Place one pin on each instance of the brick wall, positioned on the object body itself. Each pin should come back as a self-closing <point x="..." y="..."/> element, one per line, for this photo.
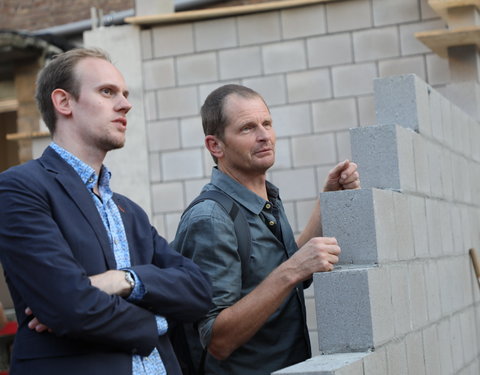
<point x="38" y="14"/>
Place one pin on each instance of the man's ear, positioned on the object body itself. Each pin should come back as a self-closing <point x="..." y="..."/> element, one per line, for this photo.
<point x="214" y="145"/>
<point x="61" y="100"/>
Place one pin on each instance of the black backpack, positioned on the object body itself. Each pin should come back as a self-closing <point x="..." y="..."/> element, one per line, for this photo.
<point x="177" y="333"/>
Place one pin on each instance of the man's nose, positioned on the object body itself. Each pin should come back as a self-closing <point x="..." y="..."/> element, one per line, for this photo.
<point x="124" y="104"/>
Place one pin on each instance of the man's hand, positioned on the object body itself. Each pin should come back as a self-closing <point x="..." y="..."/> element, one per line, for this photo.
<point x="342" y="177"/>
<point x="319" y="254"/>
<point x="35" y="324"/>
<point x="112" y="282"/>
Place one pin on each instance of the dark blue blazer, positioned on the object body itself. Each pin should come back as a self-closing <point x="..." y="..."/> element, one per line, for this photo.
<point x="51" y="239"/>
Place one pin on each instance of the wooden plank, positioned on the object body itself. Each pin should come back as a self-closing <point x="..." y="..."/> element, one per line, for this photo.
<point x="30" y="135"/>
<point x="439" y="40"/>
<point x="203" y="14"/>
<point x="8" y="105"/>
<point x="441" y="6"/>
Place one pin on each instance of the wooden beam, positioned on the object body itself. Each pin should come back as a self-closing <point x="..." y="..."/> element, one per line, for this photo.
<point x="8" y="105"/>
<point x="441" y="7"/>
<point x="203" y="14"/>
<point x="439" y="40"/>
<point x="22" y="136"/>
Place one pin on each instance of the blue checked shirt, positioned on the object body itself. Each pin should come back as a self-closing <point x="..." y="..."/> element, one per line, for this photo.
<point x="151" y="365"/>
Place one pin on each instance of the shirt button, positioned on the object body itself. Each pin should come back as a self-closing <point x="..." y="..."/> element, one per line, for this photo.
<point x="90" y="180"/>
<point x="271" y="223"/>
<point x="268" y="206"/>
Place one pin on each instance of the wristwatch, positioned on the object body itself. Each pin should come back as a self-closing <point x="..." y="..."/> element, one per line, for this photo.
<point x="130" y="279"/>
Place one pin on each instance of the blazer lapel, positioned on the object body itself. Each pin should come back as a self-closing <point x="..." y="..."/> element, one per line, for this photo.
<point x="74" y="187"/>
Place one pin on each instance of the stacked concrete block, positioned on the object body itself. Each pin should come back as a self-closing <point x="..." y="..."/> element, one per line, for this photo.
<point x="405" y="285"/>
<point x="385" y="155"/>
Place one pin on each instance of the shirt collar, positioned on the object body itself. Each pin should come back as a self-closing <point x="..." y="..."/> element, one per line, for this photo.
<point x="240" y="193"/>
<point x="86" y="172"/>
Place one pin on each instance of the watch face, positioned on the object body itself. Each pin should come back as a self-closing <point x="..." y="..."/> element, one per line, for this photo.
<point x="130" y="279"/>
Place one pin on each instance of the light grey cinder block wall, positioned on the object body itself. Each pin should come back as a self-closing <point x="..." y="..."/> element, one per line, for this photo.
<point x="405" y="299"/>
<point x="314" y="65"/>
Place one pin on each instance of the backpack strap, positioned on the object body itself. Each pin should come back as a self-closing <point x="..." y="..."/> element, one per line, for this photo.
<point x="240" y="224"/>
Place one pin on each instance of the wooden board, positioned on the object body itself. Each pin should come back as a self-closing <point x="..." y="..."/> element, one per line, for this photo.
<point x="20" y="136"/>
<point x="439" y="40"/>
<point x="203" y="14"/>
<point x="441" y="6"/>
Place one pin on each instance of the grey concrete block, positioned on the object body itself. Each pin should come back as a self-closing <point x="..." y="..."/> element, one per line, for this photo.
<point x="381" y="305"/>
<point x="432" y="354"/>
<point x="361" y="74"/>
<point x="177" y="102"/>
<point x="470" y="344"/>
<point x="163" y="135"/>
<point x="309" y="85"/>
<point x="284" y="57"/>
<point x="403" y="100"/>
<point x="314" y="149"/>
<point x="436" y="102"/>
<point x="376" y="362"/>
<point x="364" y="223"/>
<point x="385" y="226"/>
<point x="215" y="34"/>
<point x="146" y="44"/>
<point x="191" y="132"/>
<point x="167" y="197"/>
<point x="259" y="28"/>
<point x="415" y="356"/>
<point x="289" y="180"/>
<point x="422" y="171"/>
<point x="283" y="155"/>
<point x="339" y="47"/>
<point x="327" y="365"/>
<point x="271" y="88"/>
<point x="197" y="68"/>
<point x="376" y="44"/>
<point x="240" y="62"/>
<point x="298" y="114"/>
<point x="348" y="16"/>
<point x="419" y="225"/>
<point x="432" y="287"/>
<point x="409" y="44"/>
<point x="345" y="295"/>
<point x="400" y="300"/>
<point x="418" y="295"/>
<point x="403" y="227"/>
<point x="397" y="358"/>
<point x="334" y="115"/>
<point x="403" y="65"/>
<point x="434" y="154"/>
<point x="366" y="110"/>
<point x="303" y="21"/>
<point x="182" y="164"/>
<point x="444" y="347"/>
<point x="159" y="73"/>
<point x="384" y="155"/>
<point x="456" y="343"/>
<point x="172" y="40"/>
<point x="394" y="11"/>
<point x="342" y="140"/>
<point x="466" y="95"/>
<point x="438" y="72"/>
<point x="349" y="216"/>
